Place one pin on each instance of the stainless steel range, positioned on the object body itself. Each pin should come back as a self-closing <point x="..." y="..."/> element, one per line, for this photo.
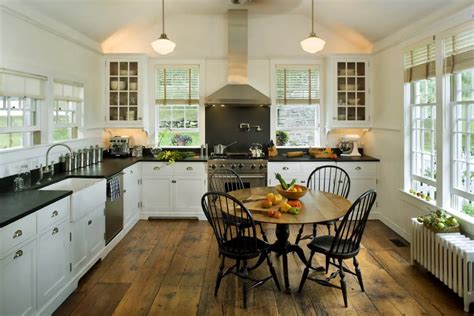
<point x="253" y="172"/>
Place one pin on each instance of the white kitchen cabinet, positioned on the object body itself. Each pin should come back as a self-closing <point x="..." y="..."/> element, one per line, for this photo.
<point x="18" y="281"/>
<point x="125" y="84"/>
<point x="293" y="170"/>
<point x="173" y="190"/>
<point x="53" y="261"/>
<point x="350" y="103"/>
<point x="363" y="177"/>
<point x="95" y="231"/>
<point x="131" y="194"/>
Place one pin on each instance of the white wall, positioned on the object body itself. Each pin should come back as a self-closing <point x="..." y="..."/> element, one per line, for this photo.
<point x="26" y="46"/>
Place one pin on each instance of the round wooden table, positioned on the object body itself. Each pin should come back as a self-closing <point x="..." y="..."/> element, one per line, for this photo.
<point x="316" y="207"/>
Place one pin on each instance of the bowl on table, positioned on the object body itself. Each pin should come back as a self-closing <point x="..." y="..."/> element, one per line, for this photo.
<point x="292" y="195"/>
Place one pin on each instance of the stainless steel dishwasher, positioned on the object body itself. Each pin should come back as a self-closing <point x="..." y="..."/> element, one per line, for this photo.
<point x="114" y="207"/>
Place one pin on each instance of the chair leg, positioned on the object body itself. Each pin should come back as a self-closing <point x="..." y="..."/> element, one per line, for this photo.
<point x="272" y="271"/>
<point x="329" y="228"/>
<point x="314" y="230"/>
<point x="264" y="236"/>
<point x="298" y="237"/>
<point x="359" y="274"/>
<point x="219" y="276"/>
<point x="306" y="272"/>
<point x="343" y="282"/>
<point x="244" y="281"/>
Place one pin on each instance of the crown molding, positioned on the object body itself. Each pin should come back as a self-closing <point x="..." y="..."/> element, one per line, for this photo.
<point x="430" y="25"/>
<point x="47" y="24"/>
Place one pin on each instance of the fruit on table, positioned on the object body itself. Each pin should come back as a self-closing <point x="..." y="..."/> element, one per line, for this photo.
<point x="285" y="207"/>
<point x="294" y="203"/>
<point x="267" y="203"/>
<point x="270" y="196"/>
<point x="274" y="213"/>
<point x="294" y="210"/>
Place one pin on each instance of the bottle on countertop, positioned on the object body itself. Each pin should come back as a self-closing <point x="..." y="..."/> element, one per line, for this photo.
<point x="25" y="174"/>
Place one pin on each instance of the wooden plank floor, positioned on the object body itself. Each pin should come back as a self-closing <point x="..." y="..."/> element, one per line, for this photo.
<point x="168" y="267"/>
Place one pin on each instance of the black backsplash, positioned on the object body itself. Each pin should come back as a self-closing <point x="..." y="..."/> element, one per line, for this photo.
<point x="222" y="127"/>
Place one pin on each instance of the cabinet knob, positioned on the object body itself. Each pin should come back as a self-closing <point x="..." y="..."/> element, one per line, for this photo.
<point x="124" y="191"/>
<point x="55" y="213"/>
<point x="285" y="168"/>
<point x="189" y="168"/>
<point x="55" y="231"/>
<point x="17" y="234"/>
<point x="18" y="254"/>
<point x="173" y="181"/>
<point x="358" y="168"/>
<point x="156" y="168"/>
<point x="131" y="171"/>
<point x="89" y="222"/>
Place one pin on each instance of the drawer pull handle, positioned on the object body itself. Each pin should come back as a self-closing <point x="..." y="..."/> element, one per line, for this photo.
<point x="17" y="234"/>
<point x="89" y="222"/>
<point x="358" y="168"/>
<point x="302" y="181"/>
<point x="189" y="168"/>
<point x="54" y="214"/>
<point x="131" y="171"/>
<point x="156" y="168"/>
<point x="18" y="254"/>
<point x="124" y="191"/>
<point x="173" y="181"/>
<point x="285" y="168"/>
<point x="55" y="231"/>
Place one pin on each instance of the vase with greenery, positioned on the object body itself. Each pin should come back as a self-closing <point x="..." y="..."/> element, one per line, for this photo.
<point x="181" y="140"/>
<point x="281" y="138"/>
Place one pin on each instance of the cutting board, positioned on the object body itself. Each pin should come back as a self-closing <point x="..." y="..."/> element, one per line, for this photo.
<point x="256" y="206"/>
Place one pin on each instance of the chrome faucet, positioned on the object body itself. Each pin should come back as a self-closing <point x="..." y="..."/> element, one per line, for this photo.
<point x="50" y="169"/>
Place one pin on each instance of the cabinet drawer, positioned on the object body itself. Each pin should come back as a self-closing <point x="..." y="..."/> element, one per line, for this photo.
<point x="285" y="167"/>
<point x="190" y="168"/>
<point x="53" y="213"/>
<point x="359" y="169"/>
<point x="309" y="167"/>
<point x="15" y="233"/>
<point x="150" y="169"/>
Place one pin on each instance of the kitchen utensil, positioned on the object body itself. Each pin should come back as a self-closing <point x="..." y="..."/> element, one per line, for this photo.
<point x="292" y="195"/>
<point x="348" y="145"/>
<point x="272" y="150"/>
<point x="256" y="150"/>
<point x="219" y="149"/>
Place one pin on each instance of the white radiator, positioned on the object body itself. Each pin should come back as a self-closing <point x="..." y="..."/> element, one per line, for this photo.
<point x="448" y="256"/>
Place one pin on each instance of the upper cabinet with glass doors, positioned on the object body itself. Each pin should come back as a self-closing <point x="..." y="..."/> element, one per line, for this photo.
<point x="125" y="88"/>
<point x="349" y="100"/>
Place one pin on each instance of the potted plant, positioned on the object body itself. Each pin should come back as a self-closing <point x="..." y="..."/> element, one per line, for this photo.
<point x="181" y="139"/>
<point x="281" y="138"/>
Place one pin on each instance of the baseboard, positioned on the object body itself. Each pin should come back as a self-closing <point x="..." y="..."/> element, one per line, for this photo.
<point x="399" y="230"/>
<point x="53" y="304"/>
<point x="172" y="215"/>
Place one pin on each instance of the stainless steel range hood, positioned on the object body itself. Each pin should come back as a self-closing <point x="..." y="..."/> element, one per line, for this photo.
<point x="238" y="92"/>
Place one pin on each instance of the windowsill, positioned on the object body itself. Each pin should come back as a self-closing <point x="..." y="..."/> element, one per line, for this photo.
<point x="181" y="147"/>
<point x="432" y="204"/>
<point x="19" y="149"/>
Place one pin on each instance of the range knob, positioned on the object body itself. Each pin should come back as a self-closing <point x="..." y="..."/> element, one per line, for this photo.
<point x="222" y="166"/>
<point x="233" y="166"/>
<point x="262" y="166"/>
<point x="253" y="166"/>
<point x="213" y="166"/>
<point x="241" y="165"/>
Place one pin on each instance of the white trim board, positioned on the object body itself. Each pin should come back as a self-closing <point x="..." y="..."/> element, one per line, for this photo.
<point x="49" y="25"/>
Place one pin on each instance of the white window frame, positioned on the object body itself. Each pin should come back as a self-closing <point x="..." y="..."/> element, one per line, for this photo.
<point x="153" y="108"/>
<point x="68" y="91"/>
<point x="274" y="63"/>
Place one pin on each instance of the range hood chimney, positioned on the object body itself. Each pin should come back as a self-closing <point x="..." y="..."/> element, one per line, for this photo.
<point x="237" y="92"/>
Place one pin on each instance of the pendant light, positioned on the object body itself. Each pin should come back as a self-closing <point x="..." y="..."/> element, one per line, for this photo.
<point x="163" y="45"/>
<point x="312" y="44"/>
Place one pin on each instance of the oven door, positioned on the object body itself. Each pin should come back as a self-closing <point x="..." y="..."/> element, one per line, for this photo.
<point x="253" y="180"/>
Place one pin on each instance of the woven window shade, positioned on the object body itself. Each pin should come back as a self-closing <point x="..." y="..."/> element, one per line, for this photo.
<point x="65" y="90"/>
<point x="420" y="63"/>
<point x="298" y="85"/>
<point x="177" y="85"/>
<point x="459" y="52"/>
<point x="19" y="84"/>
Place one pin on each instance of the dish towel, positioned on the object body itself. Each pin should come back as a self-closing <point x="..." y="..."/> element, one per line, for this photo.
<point x="114" y="188"/>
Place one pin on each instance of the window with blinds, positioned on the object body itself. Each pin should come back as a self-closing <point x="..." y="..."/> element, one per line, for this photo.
<point x="68" y="99"/>
<point x="177" y="100"/>
<point x="459" y="52"/>
<point x="20" y="94"/>
<point x="420" y="63"/>
<point x="298" y="103"/>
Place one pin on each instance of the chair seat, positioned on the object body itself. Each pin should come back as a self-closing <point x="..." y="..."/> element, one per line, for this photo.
<point x="243" y="248"/>
<point x="322" y="244"/>
<point x="237" y="221"/>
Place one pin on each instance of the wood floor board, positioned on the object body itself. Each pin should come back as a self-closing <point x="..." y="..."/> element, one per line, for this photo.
<point x="169" y="267"/>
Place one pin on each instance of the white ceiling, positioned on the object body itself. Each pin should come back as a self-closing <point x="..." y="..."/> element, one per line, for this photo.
<point x="369" y="19"/>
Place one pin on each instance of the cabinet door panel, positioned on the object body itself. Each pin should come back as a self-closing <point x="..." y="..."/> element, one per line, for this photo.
<point x="156" y="194"/>
<point x="359" y="186"/>
<point x="95" y="230"/>
<point x="131" y="195"/>
<point x="78" y="244"/>
<point x="18" y="281"/>
<point x="53" y="261"/>
<point x="188" y="193"/>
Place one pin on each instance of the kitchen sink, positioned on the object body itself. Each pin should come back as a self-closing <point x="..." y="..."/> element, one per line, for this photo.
<point x="87" y="194"/>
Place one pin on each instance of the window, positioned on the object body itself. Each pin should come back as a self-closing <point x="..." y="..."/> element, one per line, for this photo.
<point x="298" y="105"/>
<point x="177" y="110"/>
<point x="419" y="76"/>
<point x="68" y="98"/>
<point x="20" y="95"/>
<point x="459" y="66"/>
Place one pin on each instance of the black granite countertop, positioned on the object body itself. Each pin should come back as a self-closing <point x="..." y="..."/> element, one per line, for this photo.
<point x="15" y="205"/>
<point x="308" y="158"/>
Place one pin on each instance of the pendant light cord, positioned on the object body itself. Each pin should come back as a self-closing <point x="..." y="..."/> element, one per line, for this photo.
<point x="163" y="15"/>
<point x="312" y="16"/>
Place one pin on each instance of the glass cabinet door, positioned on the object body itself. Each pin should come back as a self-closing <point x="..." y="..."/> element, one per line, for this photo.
<point x="123" y="86"/>
<point x="351" y="91"/>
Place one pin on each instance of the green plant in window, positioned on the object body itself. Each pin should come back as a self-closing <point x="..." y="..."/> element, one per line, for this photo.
<point x="281" y="138"/>
<point x="181" y="140"/>
<point x="468" y="208"/>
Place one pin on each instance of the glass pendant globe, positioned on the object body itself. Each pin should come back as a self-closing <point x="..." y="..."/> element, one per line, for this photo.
<point x="163" y="45"/>
<point x="312" y="44"/>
